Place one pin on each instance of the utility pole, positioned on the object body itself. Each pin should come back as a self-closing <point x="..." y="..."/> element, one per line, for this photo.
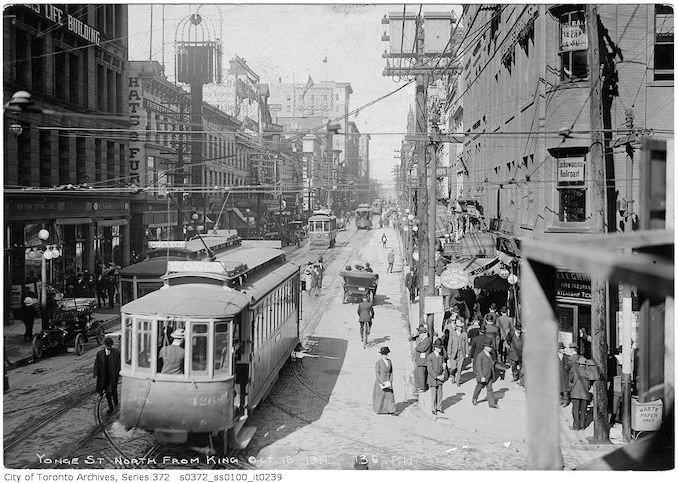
<point x="179" y="175"/>
<point x="601" y="429"/>
<point x="432" y="206"/>
<point x="420" y="156"/>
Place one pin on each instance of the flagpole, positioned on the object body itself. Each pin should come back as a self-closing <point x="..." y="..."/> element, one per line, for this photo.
<point x="325" y="62"/>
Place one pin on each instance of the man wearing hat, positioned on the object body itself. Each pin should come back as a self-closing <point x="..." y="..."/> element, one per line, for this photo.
<point x="483" y="366"/>
<point x="437" y="375"/>
<point x="365" y="316"/>
<point x="564" y="376"/>
<point x="580" y="394"/>
<point x="28" y="316"/>
<point x="106" y="372"/>
<point x="173" y="355"/>
<point x="515" y="356"/>
<point x="422" y="350"/>
<point x="457" y="348"/>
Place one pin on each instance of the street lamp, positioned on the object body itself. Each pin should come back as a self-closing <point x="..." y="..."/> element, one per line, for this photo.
<point x="50" y="253"/>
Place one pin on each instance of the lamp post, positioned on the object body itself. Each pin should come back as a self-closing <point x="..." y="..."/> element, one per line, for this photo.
<point x="51" y="252"/>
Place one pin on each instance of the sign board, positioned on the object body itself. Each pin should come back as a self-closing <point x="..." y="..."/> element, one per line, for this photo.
<point x="193" y="266"/>
<point x="573" y="33"/>
<point x="167" y="244"/>
<point x="441" y="172"/>
<point x="15" y="297"/>
<point x="451" y="249"/>
<point x="570" y="169"/>
<point x="434" y="304"/>
<point x="646" y="416"/>
<point x="573" y="285"/>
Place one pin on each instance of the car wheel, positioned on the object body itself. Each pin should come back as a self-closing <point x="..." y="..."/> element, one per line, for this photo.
<point x="79" y="344"/>
<point x="101" y="334"/>
<point x="38" y="348"/>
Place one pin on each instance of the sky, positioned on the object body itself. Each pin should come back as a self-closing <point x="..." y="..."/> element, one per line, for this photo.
<point x="290" y="42"/>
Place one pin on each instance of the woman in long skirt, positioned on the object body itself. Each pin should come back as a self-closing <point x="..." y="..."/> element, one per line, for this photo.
<point x="383" y="400"/>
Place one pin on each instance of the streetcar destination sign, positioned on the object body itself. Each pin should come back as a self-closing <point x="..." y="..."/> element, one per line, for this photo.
<point x="167" y="244"/>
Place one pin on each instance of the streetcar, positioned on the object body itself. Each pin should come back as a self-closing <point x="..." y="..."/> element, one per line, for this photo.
<point x="239" y="318"/>
<point x="322" y="229"/>
<point x="363" y="217"/>
<point x="138" y="279"/>
<point x="376" y="206"/>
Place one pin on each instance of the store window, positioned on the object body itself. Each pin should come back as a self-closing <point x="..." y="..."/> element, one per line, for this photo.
<point x="571" y="189"/>
<point x="573" y="46"/>
<point x="663" y="45"/>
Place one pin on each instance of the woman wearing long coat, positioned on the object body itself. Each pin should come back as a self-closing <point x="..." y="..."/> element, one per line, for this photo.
<point x="579" y="395"/>
<point x="383" y="400"/>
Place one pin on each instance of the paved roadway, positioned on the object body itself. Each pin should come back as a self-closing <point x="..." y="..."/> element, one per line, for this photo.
<point x="319" y="414"/>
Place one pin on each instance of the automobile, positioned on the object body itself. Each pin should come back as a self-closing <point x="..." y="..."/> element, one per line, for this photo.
<point x="72" y="326"/>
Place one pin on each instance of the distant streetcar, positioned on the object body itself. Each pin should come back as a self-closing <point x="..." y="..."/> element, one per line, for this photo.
<point x="322" y="229"/>
<point x="239" y="318"/>
<point x="363" y="217"/>
<point x="376" y="206"/>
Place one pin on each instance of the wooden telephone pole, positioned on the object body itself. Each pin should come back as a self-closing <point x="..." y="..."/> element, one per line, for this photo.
<point x="601" y="429"/>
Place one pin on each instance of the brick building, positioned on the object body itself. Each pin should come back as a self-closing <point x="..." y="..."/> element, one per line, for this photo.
<point x="526" y="156"/>
<point x="64" y="166"/>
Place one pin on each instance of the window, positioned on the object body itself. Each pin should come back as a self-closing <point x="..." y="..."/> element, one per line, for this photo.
<point x="98" y="167"/>
<point x="24" y="155"/>
<point x="573" y="46"/>
<point x="74" y="86"/>
<point x="45" y="140"/>
<point x="38" y="64"/>
<point x="199" y="348"/>
<point x="144" y="343"/>
<point x="101" y="87"/>
<point x="127" y="341"/>
<point x="571" y="189"/>
<point x="663" y="46"/>
<point x="64" y="160"/>
<point x="222" y="348"/>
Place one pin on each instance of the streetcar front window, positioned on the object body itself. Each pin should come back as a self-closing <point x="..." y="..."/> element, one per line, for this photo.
<point x="144" y="344"/>
<point x="222" y="348"/>
<point x="198" y="348"/>
<point x="127" y="340"/>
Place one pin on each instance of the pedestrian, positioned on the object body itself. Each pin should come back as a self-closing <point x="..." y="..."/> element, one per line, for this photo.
<point x="584" y="348"/>
<point x="457" y="349"/>
<point x="50" y="307"/>
<point x="410" y="283"/>
<point x="321" y="271"/>
<point x="106" y="372"/>
<point x="111" y="282"/>
<point x="505" y="325"/>
<point x="477" y="344"/>
<point x="580" y="394"/>
<point x="310" y="279"/>
<point x="564" y="375"/>
<point x="383" y="400"/>
<point x="28" y="316"/>
<point x="315" y="276"/>
<point x="422" y="349"/>
<point x="173" y="355"/>
<point x="492" y="331"/>
<point x="473" y="329"/>
<point x="437" y="375"/>
<point x="365" y="316"/>
<point x="383" y="240"/>
<point x="368" y="268"/>
<point x="483" y="366"/>
<point x="493" y="312"/>
<point x="390" y="258"/>
<point x="515" y="355"/>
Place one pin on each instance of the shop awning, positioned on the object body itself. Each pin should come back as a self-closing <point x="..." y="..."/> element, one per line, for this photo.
<point x="478" y="244"/>
<point x="492" y="283"/>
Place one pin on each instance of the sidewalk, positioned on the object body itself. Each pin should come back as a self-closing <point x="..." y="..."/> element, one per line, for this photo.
<point x="20" y="353"/>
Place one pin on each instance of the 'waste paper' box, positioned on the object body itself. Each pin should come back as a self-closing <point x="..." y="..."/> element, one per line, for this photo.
<point x="646" y="416"/>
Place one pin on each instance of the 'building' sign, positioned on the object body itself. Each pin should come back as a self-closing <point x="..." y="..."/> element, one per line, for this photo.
<point x="59" y="17"/>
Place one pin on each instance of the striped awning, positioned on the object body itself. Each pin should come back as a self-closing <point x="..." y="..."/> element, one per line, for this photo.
<point x="478" y="244"/>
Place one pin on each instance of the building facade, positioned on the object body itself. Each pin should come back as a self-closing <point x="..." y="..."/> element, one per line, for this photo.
<point x="526" y="155"/>
<point x="66" y="161"/>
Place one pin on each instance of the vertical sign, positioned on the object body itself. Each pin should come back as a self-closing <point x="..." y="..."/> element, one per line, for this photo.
<point x="136" y="151"/>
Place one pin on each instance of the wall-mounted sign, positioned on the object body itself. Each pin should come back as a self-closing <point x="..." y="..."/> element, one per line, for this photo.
<point x="570" y="169"/>
<point x="574" y="285"/>
<point x="59" y="17"/>
<point x="573" y="33"/>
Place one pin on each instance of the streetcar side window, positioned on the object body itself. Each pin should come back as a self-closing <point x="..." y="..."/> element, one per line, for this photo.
<point x="198" y="348"/>
<point x="222" y="348"/>
<point x="144" y="344"/>
<point x="127" y="340"/>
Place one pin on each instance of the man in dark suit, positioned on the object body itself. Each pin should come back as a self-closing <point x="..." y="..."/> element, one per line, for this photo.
<point x="106" y="372"/>
<point x="477" y="344"/>
<point x="365" y="316"/>
<point x="456" y="350"/>
<point x="515" y="355"/>
<point x="411" y="283"/>
<point x="437" y="375"/>
<point x="483" y="366"/>
<point x="505" y="325"/>
<point x="422" y="350"/>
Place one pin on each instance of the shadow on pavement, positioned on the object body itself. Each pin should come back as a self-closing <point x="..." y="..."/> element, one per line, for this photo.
<point x="452" y="400"/>
<point x="500" y="393"/>
<point x="301" y="393"/>
<point x="380" y="340"/>
<point x="402" y="405"/>
<point x="381" y="300"/>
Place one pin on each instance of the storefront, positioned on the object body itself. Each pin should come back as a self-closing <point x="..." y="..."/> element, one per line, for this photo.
<point x="573" y="301"/>
<point x="83" y="231"/>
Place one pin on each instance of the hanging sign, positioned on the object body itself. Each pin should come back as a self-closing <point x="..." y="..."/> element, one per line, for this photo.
<point x="571" y="169"/>
<point x="573" y="34"/>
